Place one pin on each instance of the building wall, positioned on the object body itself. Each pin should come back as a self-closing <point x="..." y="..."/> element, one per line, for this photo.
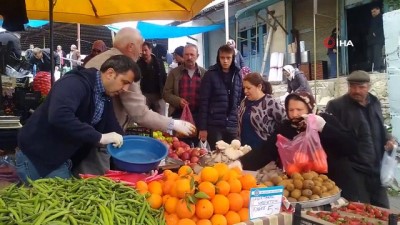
<point x="303" y="21"/>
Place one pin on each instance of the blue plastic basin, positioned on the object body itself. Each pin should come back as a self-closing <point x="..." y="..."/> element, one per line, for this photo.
<point x="138" y="154"/>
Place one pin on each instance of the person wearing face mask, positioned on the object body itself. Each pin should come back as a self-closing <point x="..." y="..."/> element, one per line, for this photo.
<point x="296" y="81"/>
<point x="259" y="112"/>
<point x="338" y="142"/>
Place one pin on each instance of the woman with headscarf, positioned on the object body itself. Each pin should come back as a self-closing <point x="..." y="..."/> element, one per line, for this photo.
<point x="97" y="48"/>
<point x="296" y="80"/>
<point x="239" y="61"/>
<point x="336" y="140"/>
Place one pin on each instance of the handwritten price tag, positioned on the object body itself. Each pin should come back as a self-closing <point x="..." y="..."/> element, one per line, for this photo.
<point x="265" y="201"/>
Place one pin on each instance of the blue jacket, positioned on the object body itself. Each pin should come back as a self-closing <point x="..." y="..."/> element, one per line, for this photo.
<point x="217" y="107"/>
<point x="60" y="126"/>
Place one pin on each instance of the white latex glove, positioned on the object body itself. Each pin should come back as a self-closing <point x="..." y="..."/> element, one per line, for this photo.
<point x="112" y="138"/>
<point x="319" y="121"/>
<point x="184" y="127"/>
<point x="234" y="164"/>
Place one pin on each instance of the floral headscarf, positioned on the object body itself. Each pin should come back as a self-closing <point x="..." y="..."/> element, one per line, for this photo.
<point x="308" y="99"/>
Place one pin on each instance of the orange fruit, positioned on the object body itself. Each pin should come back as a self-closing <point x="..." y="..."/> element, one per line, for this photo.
<point x="218" y="219"/>
<point x="208" y="188"/>
<point x="222" y="169"/>
<point x="155" y="187"/>
<point x="182" y="187"/>
<point x="235" y="185"/>
<point x="186" y="222"/>
<point x="248" y="181"/>
<point x="231" y="174"/>
<point x="203" y="222"/>
<point x="167" y="186"/>
<point x="141" y="186"/>
<point x="166" y="173"/>
<point x="172" y="176"/>
<point x="246" y="197"/>
<point x="232" y="217"/>
<point x="235" y="201"/>
<point x="222" y="187"/>
<point x="171" y="219"/>
<point x="221" y="204"/>
<point x="184" y="210"/>
<point x="173" y="191"/>
<point x="155" y="201"/>
<point x="165" y="198"/>
<point x="209" y="174"/>
<point x="194" y="218"/>
<point x="244" y="214"/>
<point x="170" y="204"/>
<point x="185" y="171"/>
<point x="204" y="209"/>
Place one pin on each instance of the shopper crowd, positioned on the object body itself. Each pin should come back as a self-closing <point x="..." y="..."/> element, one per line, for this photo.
<point x="91" y="106"/>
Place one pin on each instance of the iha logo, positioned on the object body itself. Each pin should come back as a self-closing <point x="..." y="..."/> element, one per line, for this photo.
<point x="330" y="42"/>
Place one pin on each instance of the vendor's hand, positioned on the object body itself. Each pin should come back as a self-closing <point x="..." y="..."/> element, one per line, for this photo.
<point x="112" y="138"/>
<point x="319" y="120"/>
<point x="235" y="164"/>
<point x="184" y="127"/>
<point x="391" y="145"/>
<point x="203" y="135"/>
<point x="183" y="102"/>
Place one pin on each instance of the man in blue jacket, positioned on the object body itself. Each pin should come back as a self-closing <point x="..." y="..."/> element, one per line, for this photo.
<point x="220" y="96"/>
<point x="76" y="115"/>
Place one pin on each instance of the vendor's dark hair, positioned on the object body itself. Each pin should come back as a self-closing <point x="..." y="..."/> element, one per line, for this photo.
<point x="148" y="44"/>
<point x="121" y="64"/>
<point x="256" y="79"/>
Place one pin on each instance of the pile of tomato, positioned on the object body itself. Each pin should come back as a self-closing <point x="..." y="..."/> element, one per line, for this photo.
<point x="366" y="210"/>
<point x="336" y="218"/>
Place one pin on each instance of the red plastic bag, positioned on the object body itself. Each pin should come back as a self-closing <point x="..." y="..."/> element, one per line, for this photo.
<point x="187" y="116"/>
<point x="42" y="83"/>
<point x="304" y="152"/>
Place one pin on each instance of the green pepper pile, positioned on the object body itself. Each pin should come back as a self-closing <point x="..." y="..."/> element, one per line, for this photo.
<point x="58" y="201"/>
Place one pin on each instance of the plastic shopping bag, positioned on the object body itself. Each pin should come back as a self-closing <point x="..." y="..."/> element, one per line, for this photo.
<point x="389" y="164"/>
<point x="304" y="152"/>
<point x="187" y="116"/>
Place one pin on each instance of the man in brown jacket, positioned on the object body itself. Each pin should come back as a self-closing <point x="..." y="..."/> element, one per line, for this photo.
<point x="128" y="106"/>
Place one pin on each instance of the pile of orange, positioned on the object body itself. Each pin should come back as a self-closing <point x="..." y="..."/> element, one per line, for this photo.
<point x="216" y="196"/>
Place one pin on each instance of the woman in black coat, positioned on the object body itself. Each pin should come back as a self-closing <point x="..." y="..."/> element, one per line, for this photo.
<point x="337" y="142"/>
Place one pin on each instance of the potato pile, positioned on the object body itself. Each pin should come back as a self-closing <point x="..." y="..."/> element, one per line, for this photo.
<point x="305" y="186"/>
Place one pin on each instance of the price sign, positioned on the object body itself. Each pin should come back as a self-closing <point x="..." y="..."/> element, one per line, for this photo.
<point x="265" y="201"/>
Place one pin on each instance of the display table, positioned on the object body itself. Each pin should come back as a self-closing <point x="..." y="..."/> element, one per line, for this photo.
<point x="279" y="219"/>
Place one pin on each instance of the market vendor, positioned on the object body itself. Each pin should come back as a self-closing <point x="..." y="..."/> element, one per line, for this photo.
<point x="76" y="115"/>
<point x="338" y="142"/>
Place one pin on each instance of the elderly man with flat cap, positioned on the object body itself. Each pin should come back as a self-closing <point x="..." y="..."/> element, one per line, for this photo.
<point x="361" y="112"/>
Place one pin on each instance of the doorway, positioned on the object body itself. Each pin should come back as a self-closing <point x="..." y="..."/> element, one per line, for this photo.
<point x="358" y="23"/>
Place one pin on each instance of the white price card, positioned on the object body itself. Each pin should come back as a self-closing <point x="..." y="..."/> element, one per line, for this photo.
<point x="265" y="201"/>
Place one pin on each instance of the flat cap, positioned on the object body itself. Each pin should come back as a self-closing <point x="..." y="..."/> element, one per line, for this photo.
<point x="358" y="76"/>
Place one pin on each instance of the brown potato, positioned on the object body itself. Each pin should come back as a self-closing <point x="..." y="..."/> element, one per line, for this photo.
<point x="314" y="174"/>
<point x="290" y="187"/>
<point x="317" y="179"/>
<point x="296" y="193"/>
<point x="335" y="190"/>
<point x="296" y="176"/>
<point x="306" y="192"/>
<point x="286" y="193"/>
<point x="303" y="199"/>
<point x="323" y="189"/>
<point x="313" y="197"/>
<point x="290" y="199"/>
<point x="308" y="184"/>
<point x="317" y="183"/>
<point x="298" y="183"/>
<point x="328" y="185"/>
<point x="316" y="190"/>
<point x="307" y="176"/>
<point x="323" y="177"/>
<point x="276" y="180"/>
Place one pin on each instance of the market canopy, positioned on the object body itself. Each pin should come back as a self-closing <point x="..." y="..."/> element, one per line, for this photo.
<point x="100" y="12"/>
<point x="248" y="11"/>
<point x="156" y="31"/>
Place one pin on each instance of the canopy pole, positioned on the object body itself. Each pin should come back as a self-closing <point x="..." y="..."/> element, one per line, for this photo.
<point x="226" y="6"/>
<point x="51" y="7"/>
<point x="78" y="31"/>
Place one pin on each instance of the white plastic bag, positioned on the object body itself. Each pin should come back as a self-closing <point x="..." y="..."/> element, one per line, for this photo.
<point x="389" y="164"/>
<point x="204" y="145"/>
